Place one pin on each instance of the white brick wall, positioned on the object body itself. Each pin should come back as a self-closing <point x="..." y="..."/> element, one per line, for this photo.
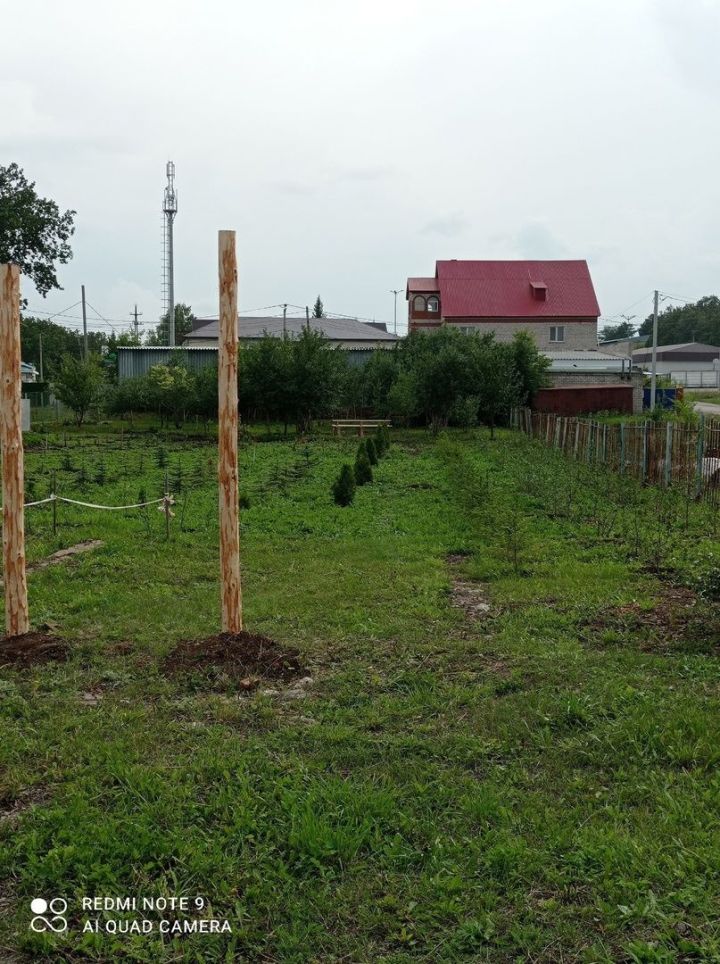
<point x="578" y="334"/>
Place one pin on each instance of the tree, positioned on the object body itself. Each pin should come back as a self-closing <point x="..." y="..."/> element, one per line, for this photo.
<point x="343" y="488"/>
<point x="692" y="322"/>
<point x="34" y="234"/>
<point x="624" y="329"/>
<point x="316" y="377"/>
<point x="172" y="390"/>
<point x="77" y="384"/>
<point x="266" y="378"/>
<point x="57" y="342"/>
<point x="183" y="327"/>
<point x="318" y="308"/>
<point x="500" y="383"/>
<point x="363" y="469"/>
<point x="531" y="366"/>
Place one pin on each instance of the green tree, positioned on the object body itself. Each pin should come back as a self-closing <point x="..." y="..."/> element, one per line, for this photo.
<point x="57" y="341"/>
<point x="691" y="322"/>
<point x="316" y="377"/>
<point x="34" y="234"/>
<point x="343" y="488"/>
<point x="363" y="469"/>
<point x="500" y="383"/>
<point x="77" y="384"/>
<point x="171" y="391"/>
<point x="624" y="329"/>
<point x="266" y="379"/>
<point x="318" y="308"/>
<point x="531" y="366"/>
<point x="183" y="327"/>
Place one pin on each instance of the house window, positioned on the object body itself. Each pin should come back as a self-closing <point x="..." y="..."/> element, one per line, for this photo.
<point x="433" y="304"/>
<point x="557" y="333"/>
<point x="418" y="303"/>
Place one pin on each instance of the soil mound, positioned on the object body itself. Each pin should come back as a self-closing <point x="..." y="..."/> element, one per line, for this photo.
<point x="32" y="648"/>
<point x="243" y="656"/>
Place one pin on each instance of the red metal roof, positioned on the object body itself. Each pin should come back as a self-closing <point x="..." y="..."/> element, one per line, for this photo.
<point x="424" y="285"/>
<point x="502" y="289"/>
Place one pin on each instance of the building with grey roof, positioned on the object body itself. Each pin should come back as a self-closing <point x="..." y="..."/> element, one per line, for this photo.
<point x="346" y="333"/>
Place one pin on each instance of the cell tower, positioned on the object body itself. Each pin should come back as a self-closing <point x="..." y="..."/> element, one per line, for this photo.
<point x="170" y="207"/>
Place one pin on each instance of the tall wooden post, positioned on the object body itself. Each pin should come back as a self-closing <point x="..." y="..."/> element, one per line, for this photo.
<point x="13" y="475"/>
<point x="230" y="589"/>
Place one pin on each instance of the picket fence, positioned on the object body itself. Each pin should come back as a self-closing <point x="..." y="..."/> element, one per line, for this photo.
<point x="668" y="454"/>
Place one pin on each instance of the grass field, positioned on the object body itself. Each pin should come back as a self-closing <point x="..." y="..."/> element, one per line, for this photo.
<point x="509" y="750"/>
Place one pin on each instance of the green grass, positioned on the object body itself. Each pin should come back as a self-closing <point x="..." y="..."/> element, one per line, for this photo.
<point x="534" y="786"/>
<point x="702" y="395"/>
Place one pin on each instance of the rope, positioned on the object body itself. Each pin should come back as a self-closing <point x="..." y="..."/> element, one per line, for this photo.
<point x="166" y="500"/>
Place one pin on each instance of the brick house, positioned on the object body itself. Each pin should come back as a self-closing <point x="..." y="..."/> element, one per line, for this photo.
<point x="552" y="300"/>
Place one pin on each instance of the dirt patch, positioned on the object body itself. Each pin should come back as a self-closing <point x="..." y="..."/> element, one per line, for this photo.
<point x="62" y="555"/>
<point x="457" y="557"/>
<point x="471" y="597"/>
<point x="32" y="648"/>
<point x="246" y="659"/>
<point x="679" y="620"/>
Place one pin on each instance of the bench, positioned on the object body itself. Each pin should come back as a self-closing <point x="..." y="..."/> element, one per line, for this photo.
<point x="358" y="424"/>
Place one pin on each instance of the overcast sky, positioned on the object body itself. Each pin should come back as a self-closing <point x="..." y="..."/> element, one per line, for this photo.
<point x="352" y="144"/>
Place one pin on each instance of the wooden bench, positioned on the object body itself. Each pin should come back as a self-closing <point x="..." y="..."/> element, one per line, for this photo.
<point x="358" y="424"/>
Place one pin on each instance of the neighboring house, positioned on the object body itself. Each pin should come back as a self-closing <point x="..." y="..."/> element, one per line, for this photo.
<point x="346" y="333"/>
<point x="199" y="348"/>
<point x="691" y="363"/>
<point x="552" y="300"/>
<point x="28" y="372"/>
<point x="623" y="346"/>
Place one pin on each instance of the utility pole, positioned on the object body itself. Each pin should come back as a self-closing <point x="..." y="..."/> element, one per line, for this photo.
<point x="307" y="317"/>
<point x="41" y="358"/>
<point x="396" y="292"/>
<point x="84" y="314"/>
<point x="284" y="320"/>
<point x="135" y="315"/>
<point x="653" y="375"/>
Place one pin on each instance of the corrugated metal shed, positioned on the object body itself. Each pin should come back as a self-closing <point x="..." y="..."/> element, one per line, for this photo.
<point x="133" y="362"/>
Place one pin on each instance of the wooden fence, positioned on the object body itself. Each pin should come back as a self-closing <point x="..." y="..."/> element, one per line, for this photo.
<point x="668" y="454"/>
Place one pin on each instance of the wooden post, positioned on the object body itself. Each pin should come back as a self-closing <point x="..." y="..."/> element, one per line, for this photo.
<point x="668" y="454"/>
<point x="13" y="475"/>
<point x="230" y="590"/>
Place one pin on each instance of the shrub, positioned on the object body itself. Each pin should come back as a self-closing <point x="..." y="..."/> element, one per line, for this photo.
<point x="343" y="489"/>
<point x="371" y="451"/>
<point x="363" y="469"/>
<point x="380" y="445"/>
<point x="382" y="439"/>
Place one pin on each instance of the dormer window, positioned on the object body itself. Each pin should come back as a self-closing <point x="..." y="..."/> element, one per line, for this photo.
<point x="418" y="303"/>
<point x="539" y="290"/>
<point x="433" y="304"/>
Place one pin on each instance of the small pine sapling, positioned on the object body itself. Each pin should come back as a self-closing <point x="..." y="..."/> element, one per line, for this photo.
<point x="371" y="451"/>
<point x="343" y="489"/>
<point x="101" y="474"/>
<point x="363" y="469"/>
<point x="379" y="442"/>
<point x="161" y="457"/>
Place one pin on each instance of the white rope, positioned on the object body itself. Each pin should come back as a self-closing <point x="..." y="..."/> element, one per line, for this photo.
<point x="166" y="500"/>
<point x="116" y="508"/>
